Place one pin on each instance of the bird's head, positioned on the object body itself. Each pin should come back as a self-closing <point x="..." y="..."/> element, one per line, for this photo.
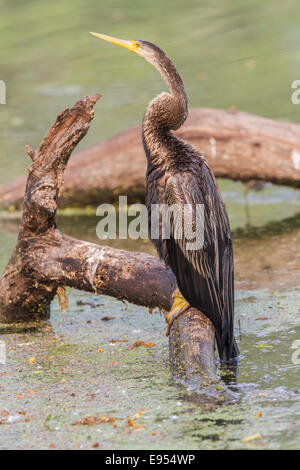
<point x="170" y="110"/>
<point x="145" y="49"/>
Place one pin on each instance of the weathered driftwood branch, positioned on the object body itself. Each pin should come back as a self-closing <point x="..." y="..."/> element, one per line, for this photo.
<point x="21" y="295"/>
<point x="45" y="259"/>
<point x="237" y="145"/>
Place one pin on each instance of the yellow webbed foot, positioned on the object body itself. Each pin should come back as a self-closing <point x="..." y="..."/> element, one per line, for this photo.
<point x="179" y="306"/>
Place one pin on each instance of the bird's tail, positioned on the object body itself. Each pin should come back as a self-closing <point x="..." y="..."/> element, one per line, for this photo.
<point x="230" y="353"/>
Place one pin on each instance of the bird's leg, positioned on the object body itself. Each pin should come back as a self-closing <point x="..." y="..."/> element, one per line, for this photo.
<point x="179" y="306"/>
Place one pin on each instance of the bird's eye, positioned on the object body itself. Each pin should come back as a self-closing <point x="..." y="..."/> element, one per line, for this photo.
<point x="138" y="45"/>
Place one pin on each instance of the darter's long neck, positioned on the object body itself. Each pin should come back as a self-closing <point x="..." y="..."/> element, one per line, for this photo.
<point x="166" y="112"/>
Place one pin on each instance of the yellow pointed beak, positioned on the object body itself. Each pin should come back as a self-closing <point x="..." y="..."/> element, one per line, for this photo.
<point x="133" y="46"/>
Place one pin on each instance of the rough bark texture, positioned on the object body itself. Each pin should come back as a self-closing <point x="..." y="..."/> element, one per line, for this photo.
<point x="187" y="361"/>
<point x="237" y="145"/>
<point x="22" y="296"/>
<point x="45" y="259"/>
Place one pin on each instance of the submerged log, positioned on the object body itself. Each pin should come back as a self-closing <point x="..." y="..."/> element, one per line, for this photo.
<point x="188" y="362"/>
<point x="45" y="260"/>
<point x="237" y="145"/>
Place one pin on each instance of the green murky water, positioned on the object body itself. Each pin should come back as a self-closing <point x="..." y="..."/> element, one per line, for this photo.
<point x="229" y="53"/>
<point x="71" y="379"/>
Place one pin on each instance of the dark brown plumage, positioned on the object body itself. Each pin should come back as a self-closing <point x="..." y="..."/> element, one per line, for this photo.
<point x="178" y="174"/>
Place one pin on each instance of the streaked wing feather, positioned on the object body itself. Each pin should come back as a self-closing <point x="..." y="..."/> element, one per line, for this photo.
<point x="204" y="276"/>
